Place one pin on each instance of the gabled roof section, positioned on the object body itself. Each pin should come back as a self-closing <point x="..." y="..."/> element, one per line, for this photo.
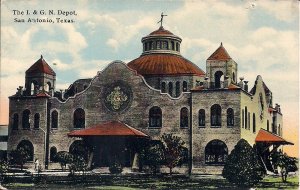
<point x="220" y="54"/>
<point x="41" y="66"/>
<point x="268" y="137"/>
<point x="110" y="128"/>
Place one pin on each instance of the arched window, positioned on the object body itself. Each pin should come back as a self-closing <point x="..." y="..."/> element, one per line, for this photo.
<point x="216" y="152"/>
<point x="155" y="117"/>
<point x="25" y="119"/>
<point x="249" y="120"/>
<point x="184" y="117"/>
<point x="215" y="115"/>
<point x="246" y="119"/>
<point x="79" y="118"/>
<point x="243" y="121"/>
<point x="230" y="117"/>
<point x="163" y="87"/>
<point x="233" y="77"/>
<point x="177" y="88"/>
<point x="177" y="46"/>
<point x="279" y="130"/>
<point x="173" y="45"/>
<point x="268" y="126"/>
<point x="33" y="87"/>
<point x="54" y="119"/>
<point x="201" y="118"/>
<point x="254" y="123"/>
<point x="166" y="45"/>
<point x="26" y="146"/>
<point x="151" y="45"/>
<point x="218" y="79"/>
<point x="15" y="123"/>
<point x="53" y="152"/>
<point x="184" y="86"/>
<point x="79" y="148"/>
<point x="170" y="88"/>
<point x="36" y="121"/>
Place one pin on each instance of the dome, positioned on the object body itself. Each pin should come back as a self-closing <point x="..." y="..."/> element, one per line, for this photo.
<point x="161" y="31"/>
<point x="164" y="64"/>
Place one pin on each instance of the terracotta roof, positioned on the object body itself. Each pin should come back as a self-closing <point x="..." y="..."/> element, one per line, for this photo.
<point x="110" y="128"/>
<point x="42" y="94"/>
<point x="161" y="31"/>
<point x="198" y="88"/>
<point x="164" y="64"/>
<point x="40" y="66"/>
<point x="233" y="86"/>
<point x="220" y="54"/>
<point x="268" y="137"/>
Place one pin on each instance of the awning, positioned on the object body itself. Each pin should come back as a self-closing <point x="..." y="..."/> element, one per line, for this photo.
<point x="111" y="128"/>
<point x="270" y="138"/>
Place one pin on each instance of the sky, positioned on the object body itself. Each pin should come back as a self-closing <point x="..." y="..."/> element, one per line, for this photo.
<point x="261" y="36"/>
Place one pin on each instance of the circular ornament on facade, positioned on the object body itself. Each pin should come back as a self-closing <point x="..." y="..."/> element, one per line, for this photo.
<point x="117" y="96"/>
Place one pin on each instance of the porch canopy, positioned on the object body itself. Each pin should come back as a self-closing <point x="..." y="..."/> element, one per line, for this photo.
<point x="267" y="137"/>
<point x="110" y="128"/>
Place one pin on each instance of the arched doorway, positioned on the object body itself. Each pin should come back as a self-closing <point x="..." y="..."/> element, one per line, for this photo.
<point x="218" y="79"/>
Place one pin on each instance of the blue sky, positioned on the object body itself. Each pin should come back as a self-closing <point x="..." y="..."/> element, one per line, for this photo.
<point x="261" y="36"/>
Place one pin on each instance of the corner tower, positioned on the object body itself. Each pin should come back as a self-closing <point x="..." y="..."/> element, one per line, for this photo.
<point x="162" y="65"/>
<point x="40" y="76"/>
<point x="219" y="66"/>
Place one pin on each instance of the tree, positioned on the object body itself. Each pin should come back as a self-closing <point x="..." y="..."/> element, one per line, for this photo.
<point x="152" y="155"/>
<point x="242" y="166"/>
<point x="19" y="156"/>
<point x="285" y="163"/>
<point x="64" y="158"/>
<point x="173" y="150"/>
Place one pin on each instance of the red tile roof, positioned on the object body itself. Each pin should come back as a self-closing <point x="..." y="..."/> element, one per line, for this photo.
<point x="164" y="64"/>
<point x="233" y="86"/>
<point x="40" y="66"/>
<point x="268" y="137"/>
<point x="42" y="94"/>
<point x="220" y="54"/>
<point x="111" y="128"/>
<point x="161" y="31"/>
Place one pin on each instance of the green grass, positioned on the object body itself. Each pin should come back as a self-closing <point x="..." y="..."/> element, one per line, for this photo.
<point x="159" y="183"/>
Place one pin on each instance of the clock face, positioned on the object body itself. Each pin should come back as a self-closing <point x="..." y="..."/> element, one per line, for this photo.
<point x="117" y="96"/>
<point x="261" y="106"/>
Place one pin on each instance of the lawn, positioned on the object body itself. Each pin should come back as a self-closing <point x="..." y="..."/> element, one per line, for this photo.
<point x="159" y="183"/>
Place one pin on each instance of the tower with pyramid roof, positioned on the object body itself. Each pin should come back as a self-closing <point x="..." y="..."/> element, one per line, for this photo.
<point x="39" y="77"/>
<point x="219" y="67"/>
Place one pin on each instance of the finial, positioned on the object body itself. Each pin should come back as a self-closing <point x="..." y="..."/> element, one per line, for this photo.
<point x="41" y="56"/>
<point x="161" y="19"/>
<point x="221" y="43"/>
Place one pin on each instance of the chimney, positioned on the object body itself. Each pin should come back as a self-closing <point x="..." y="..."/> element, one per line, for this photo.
<point x="246" y="86"/>
<point x="241" y="84"/>
<point x="205" y="84"/>
<point x="226" y="81"/>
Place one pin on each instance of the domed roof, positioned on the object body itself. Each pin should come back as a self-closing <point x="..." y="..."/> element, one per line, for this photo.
<point x="161" y="31"/>
<point x="164" y="64"/>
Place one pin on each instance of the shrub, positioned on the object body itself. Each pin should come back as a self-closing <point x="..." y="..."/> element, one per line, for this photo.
<point x="63" y="158"/>
<point x="153" y="155"/>
<point x="19" y="157"/>
<point x="115" y="168"/>
<point x="243" y="167"/>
